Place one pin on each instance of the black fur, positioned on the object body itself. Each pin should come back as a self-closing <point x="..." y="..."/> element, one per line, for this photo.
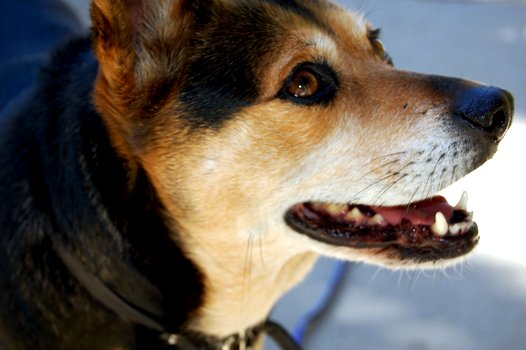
<point x="227" y="48"/>
<point x="221" y="78"/>
<point x="61" y="178"/>
<point x="299" y="8"/>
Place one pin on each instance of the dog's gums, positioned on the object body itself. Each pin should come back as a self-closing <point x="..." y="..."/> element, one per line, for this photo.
<point x="427" y="230"/>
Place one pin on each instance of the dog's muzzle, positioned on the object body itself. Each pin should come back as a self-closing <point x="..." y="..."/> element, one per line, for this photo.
<point x="431" y="229"/>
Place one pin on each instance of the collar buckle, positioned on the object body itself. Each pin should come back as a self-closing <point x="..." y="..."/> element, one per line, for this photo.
<point x="236" y="342"/>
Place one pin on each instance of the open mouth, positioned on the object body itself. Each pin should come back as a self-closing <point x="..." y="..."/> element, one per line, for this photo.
<point x="428" y="230"/>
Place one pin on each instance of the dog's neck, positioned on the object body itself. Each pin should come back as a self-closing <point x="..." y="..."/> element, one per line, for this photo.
<point x="242" y="289"/>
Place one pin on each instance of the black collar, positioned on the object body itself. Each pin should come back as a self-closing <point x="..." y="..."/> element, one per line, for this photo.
<point x="171" y="340"/>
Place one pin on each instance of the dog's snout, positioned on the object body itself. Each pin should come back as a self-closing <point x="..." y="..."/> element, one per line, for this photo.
<point x="486" y="108"/>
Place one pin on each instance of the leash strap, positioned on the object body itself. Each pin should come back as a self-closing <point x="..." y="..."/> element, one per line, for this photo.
<point x="97" y="289"/>
<point x="280" y="336"/>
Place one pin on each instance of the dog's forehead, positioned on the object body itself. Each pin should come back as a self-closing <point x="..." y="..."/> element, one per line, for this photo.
<point x="320" y="14"/>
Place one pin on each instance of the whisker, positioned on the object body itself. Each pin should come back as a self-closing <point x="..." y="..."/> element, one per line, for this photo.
<point x="247" y="268"/>
<point x="261" y="256"/>
<point x="379" y="167"/>
<point x="454" y="173"/>
<point x="427" y="191"/>
<point x="400" y="277"/>
<point x="451" y="273"/>
<point x="389" y="186"/>
<point x="414" y="276"/>
<point x="386" y="177"/>
<point x="389" y="175"/>
<point x="385" y="189"/>
<point x="377" y="272"/>
<point x="411" y="200"/>
<point x="383" y="157"/>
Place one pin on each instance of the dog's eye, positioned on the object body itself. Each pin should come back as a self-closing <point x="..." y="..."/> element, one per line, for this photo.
<point x="378" y="46"/>
<point x="382" y="52"/>
<point x="304" y="84"/>
<point x="310" y="84"/>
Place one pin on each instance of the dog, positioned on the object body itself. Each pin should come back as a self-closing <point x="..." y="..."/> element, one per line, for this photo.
<point x="178" y="171"/>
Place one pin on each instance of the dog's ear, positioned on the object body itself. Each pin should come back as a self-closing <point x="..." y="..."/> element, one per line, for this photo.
<point x="137" y="40"/>
<point x="140" y="46"/>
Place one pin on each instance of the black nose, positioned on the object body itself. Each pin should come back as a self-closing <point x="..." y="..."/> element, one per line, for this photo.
<point x="486" y="108"/>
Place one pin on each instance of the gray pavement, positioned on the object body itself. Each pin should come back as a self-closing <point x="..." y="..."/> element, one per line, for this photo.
<point x="480" y="305"/>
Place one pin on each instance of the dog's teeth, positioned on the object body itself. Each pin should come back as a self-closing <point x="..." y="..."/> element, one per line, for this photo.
<point x="455" y="229"/>
<point x="440" y="227"/>
<point x="377" y="220"/>
<point x="354" y="215"/>
<point x="336" y="209"/>
<point x="459" y="228"/>
<point x="317" y="206"/>
<point x="463" y="202"/>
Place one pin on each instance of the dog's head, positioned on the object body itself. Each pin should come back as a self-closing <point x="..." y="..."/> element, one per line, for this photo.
<point x="277" y="130"/>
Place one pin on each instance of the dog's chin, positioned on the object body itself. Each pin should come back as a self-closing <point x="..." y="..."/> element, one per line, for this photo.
<point x="427" y="232"/>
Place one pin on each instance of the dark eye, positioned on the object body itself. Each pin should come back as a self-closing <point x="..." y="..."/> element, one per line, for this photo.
<point x="378" y="46"/>
<point x="304" y="84"/>
<point x="309" y="84"/>
<point x="380" y="49"/>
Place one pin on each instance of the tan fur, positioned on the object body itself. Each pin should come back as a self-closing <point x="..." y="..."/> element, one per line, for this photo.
<point x="227" y="189"/>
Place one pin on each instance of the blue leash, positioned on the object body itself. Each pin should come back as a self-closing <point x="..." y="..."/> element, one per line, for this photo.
<point x="306" y="323"/>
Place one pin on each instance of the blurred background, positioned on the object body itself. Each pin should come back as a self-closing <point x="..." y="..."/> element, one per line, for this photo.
<point x="480" y="304"/>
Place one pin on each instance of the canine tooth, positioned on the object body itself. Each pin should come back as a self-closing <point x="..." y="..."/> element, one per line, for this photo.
<point x="354" y="215"/>
<point x="464" y="227"/>
<point x="455" y="229"/>
<point x="463" y="202"/>
<point x="440" y="227"/>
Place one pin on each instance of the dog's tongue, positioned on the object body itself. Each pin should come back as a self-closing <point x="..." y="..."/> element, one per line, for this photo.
<point x="418" y="213"/>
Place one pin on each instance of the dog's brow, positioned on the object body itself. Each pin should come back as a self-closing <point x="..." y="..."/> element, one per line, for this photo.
<point x="362" y="22"/>
<point x="324" y="43"/>
<point x="357" y="23"/>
